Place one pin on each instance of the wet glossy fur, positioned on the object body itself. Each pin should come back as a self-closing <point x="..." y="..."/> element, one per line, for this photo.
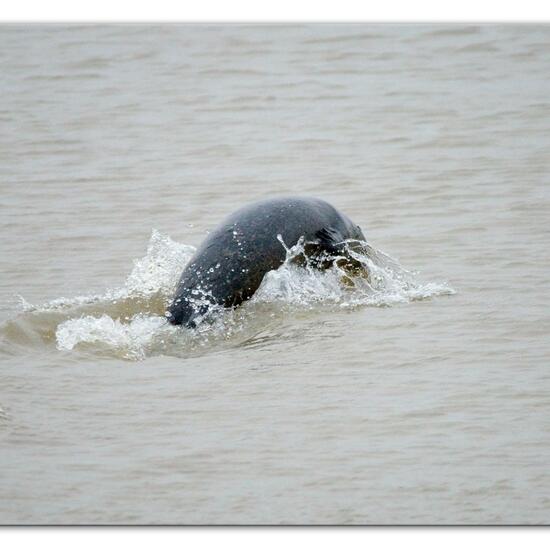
<point x="230" y="264"/>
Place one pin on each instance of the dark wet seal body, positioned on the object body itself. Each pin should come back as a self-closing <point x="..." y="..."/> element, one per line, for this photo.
<point x="230" y="264"/>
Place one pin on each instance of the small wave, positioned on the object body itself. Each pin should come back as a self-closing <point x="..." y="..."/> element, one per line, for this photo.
<point x="129" y="321"/>
<point x="358" y="37"/>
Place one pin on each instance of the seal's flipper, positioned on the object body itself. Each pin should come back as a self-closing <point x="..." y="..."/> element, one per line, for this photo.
<point x="352" y="264"/>
<point x="348" y="254"/>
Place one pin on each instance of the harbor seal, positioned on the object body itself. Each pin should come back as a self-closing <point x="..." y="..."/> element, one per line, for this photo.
<point x="230" y="264"/>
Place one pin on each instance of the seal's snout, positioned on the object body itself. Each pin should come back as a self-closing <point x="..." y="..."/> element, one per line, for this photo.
<point x="178" y="313"/>
<point x="178" y="319"/>
<point x="174" y="317"/>
<point x="181" y="312"/>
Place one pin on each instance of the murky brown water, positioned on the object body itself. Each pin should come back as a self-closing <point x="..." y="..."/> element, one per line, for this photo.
<point x="434" y="409"/>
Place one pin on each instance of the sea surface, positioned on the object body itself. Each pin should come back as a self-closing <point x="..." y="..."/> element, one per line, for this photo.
<point x="420" y="398"/>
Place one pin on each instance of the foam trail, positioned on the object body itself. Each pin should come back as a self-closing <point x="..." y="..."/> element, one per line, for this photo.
<point x="129" y="321"/>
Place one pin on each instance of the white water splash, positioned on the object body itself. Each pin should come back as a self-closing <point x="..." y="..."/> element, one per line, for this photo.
<point x="129" y="321"/>
<point x="131" y="340"/>
<point x="388" y="283"/>
<point x="160" y="269"/>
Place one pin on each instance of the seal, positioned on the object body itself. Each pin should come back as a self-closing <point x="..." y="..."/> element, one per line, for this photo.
<point x="230" y="264"/>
